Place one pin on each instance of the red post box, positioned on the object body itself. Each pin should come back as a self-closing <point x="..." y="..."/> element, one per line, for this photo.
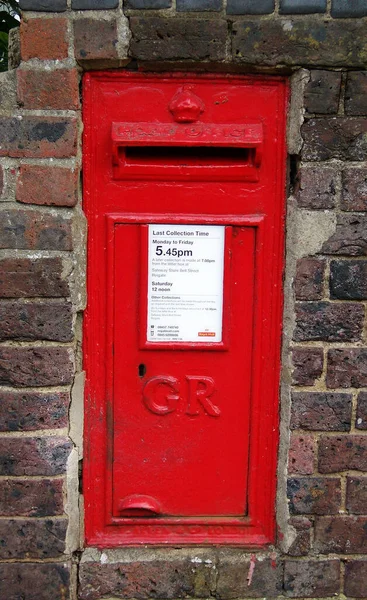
<point x="184" y="188"/>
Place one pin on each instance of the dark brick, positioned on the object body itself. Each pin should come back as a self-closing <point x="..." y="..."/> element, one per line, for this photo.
<point x="301" y="7"/>
<point x="148" y="4"/>
<point x="36" y="321"/>
<point x="308" y="41"/>
<point x="348" y="279"/>
<point x="356" y="578"/>
<point x="34" y="581"/>
<point x="32" y="538"/>
<point x="329" y="322"/>
<point x="43" y="5"/>
<point x="36" y="367"/>
<point x="308" y="365"/>
<point x="38" y="137"/>
<point x="93" y="4"/>
<point x="361" y="416"/>
<point x="24" y="277"/>
<point x="52" y="186"/>
<point x="248" y="7"/>
<point x="44" y="38"/>
<point x="323" y="91"/>
<point x="302" y="544"/>
<point x="45" y="456"/>
<point x="160" y="576"/>
<point x="347" y="368"/>
<point x="314" y="495"/>
<point x="340" y="534"/>
<point x="309" y="280"/>
<point x="356" y="502"/>
<point x="35" y="230"/>
<point x="311" y="579"/>
<point x="321" y="411"/>
<point x="233" y="582"/>
<point x="31" y="498"/>
<point x="189" y="5"/>
<point x="27" y="411"/>
<point x="301" y="458"/>
<point x="179" y="38"/>
<point x="350" y="237"/>
<point x="354" y="189"/>
<point x="95" y="39"/>
<point x="341" y="453"/>
<point x="356" y="93"/>
<point x="1" y="180"/>
<point x="317" y="188"/>
<point x="344" y="138"/>
<point x="57" y="89"/>
<point x="346" y="8"/>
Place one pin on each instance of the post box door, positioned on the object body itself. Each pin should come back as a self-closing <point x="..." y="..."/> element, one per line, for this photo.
<point x="181" y="412"/>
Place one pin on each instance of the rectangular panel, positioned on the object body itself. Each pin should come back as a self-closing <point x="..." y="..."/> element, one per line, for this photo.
<point x="181" y="421"/>
<point x="185" y="283"/>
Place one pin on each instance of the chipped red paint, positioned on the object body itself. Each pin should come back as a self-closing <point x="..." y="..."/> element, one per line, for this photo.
<point x="181" y="438"/>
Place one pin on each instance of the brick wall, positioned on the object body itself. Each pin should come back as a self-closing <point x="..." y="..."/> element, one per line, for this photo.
<point x="322" y="545"/>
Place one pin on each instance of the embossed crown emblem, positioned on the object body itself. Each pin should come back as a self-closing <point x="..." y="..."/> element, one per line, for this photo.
<point x="185" y="106"/>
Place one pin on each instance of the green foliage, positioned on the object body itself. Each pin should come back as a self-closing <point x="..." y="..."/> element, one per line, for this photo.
<point x="9" y="11"/>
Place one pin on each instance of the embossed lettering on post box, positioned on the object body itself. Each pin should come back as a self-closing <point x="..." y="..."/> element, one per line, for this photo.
<point x="184" y="179"/>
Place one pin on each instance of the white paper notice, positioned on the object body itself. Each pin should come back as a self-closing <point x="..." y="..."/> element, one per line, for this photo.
<point x="185" y="283"/>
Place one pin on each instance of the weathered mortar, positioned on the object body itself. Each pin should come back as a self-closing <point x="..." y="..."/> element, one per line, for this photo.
<point x="327" y="480"/>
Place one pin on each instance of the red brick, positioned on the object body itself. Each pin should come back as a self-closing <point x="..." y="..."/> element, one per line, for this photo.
<point x="322" y="92"/>
<point x="302" y="543"/>
<point x="53" y="186"/>
<point x="357" y="495"/>
<point x="356" y="578"/>
<point x="356" y="93"/>
<point x="36" y="321"/>
<point x="349" y="238"/>
<point x="308" y="365"/>
<point x="44" y="38"/>
<point x="354" y="189"/>
<point x="361" y="416"/>
<point x="321" y="411"/>
<point x="348" y="279"/>
<point x="56" y="90"/>
<point x="48" y="581"/>
<point x="162" y="38"/>
<point x="32" y="538"/>
<point x="314" y="495"/>
<point x="158" y="576"/>
<point x="34" y="456"/>
<point x="233" y="572"/>
<point x="25" y="278"/>
<point x="340" y="534"/>
<point x="31" y="498"/>
<point x="329" y="322"/>
<point x="27" y="411"/>
<point x="335" y="137"/>
<point x="347" y="368"/>
<point x="95" y="39"/>
<point x="340" y="453"/>
<point x="35" y="230"/>
<point x="38" y="137"/>
<point x="36" y="367"/>
<point x="317" y="188"/>
<point x="301" y="455"/>
<point x="309" y="280"/>
<point x="311" y="579"/>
